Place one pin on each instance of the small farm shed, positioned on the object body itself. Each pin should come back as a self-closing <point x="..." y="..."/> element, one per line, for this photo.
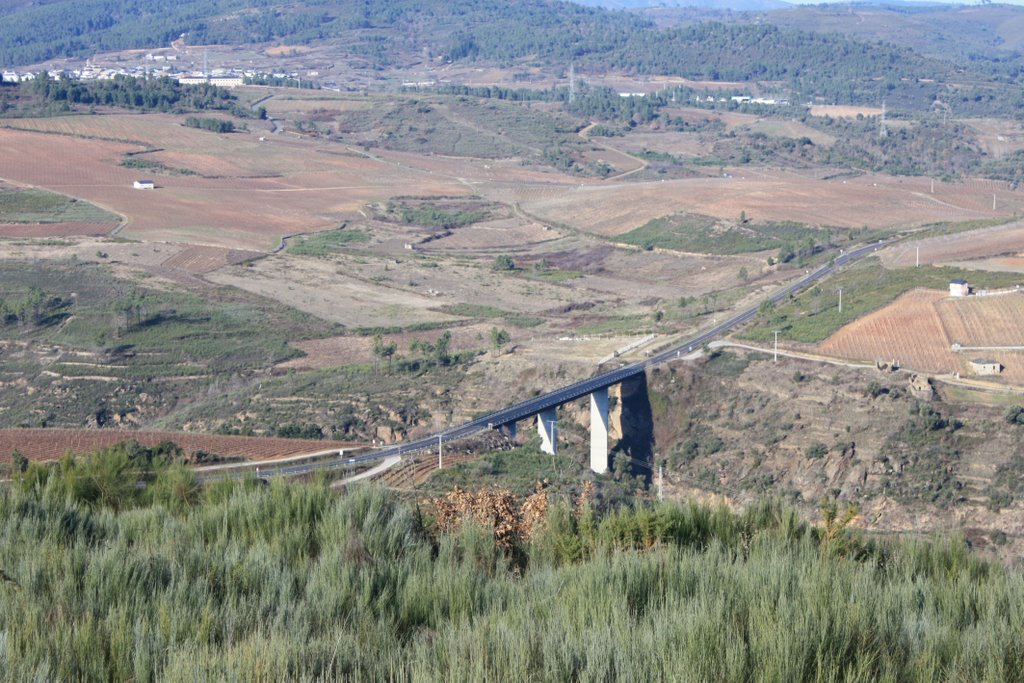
<point x="144" y="185"/>
<point x="986" y="366"/>
<point x="959" y="288"/>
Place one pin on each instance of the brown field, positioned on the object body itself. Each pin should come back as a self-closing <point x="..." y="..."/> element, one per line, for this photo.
<point x="258" y="192"/>
<point x="680" y="144"/>
<point x="279" y="104"/>
<point x="958" y="247"/>
<point x="55" y="229"/>
<point x="874" y="201"/>
<point x="48" y="444"/>
<point x="842" y="111"/>
<point x="995" y="320"/>
<point x="918" y="329"/>
<point x="508" y="234"/>
<point x="287" y="50"/>
<point x="208" y="259"/>
<point x="999" y="264"/>
<point x="731" y="119"/>
<point x="791" y="129"/>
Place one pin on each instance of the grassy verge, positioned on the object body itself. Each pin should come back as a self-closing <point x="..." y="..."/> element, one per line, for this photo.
<point x="812" y="315"/>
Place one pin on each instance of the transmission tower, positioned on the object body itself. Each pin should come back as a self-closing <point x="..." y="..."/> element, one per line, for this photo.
<point x="572" y="82"/>
<point x="883" y="132"/>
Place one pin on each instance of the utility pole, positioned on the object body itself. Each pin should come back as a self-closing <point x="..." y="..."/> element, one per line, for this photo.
<point x="661" y="483"/>
<point x="776" y="360"/>
<point x="840" y="299"/>
<point x="933" y="185"/>
<point x="572" y="82"/>
<point x="917" y="261"/>
<point x="993" y="201"/>
<point x="439" y="462"/>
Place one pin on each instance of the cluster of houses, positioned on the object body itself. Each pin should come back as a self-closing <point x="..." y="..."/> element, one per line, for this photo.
<point x="220" y="77"/>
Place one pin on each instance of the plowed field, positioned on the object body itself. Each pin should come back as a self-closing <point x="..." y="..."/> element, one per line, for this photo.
<point x="958" y="247"/>
<point x="918" y="331"/>
<point x="47" y="444"/>
<point x="55" y="229"/>
<point x="874" y="201"/>
<point x="996" y="320"/>
<point x="207" y="259"/>
<point x="244" y="194"/>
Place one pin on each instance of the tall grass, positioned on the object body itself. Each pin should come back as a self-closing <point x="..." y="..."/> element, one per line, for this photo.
<point x="289" y="582"/>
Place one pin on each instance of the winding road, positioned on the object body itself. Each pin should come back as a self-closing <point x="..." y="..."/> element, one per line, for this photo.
<point x="573" y="391"/>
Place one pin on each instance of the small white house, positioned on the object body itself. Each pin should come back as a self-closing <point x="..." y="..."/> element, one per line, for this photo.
<point x="959" y="288"/>
<point x="144" y="185"/>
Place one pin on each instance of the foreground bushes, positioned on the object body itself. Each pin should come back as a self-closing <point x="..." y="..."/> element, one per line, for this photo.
<point x="291" y="582"/>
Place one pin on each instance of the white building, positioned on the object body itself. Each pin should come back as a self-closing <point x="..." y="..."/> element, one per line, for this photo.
<point x="959" y="288"/>
<point x="986" y="366"/>
<point x="144" y="185"/>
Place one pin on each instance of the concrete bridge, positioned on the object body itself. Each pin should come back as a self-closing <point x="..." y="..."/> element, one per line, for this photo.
<point x="545" y="407"/>
<point x="547" y="427"/>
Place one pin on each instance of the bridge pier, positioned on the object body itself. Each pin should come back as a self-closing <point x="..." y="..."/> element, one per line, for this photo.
<point x="509" y="429"/>
<point x="547" y="420"/>
<point x="599" y="431"/>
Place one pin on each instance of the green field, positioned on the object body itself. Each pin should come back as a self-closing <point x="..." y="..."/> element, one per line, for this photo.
<point x="37" y="206"/>
<point x="707" y="235"/>
<point x="323" y="244"/>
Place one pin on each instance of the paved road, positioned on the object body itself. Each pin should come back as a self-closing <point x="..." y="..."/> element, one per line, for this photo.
<point x="577" y="389"/>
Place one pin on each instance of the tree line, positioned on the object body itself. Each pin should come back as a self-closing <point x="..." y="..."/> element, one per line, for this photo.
<point x="129" y="92"/>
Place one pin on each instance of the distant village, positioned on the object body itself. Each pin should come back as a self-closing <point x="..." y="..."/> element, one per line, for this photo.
<point x="153" y="66"/>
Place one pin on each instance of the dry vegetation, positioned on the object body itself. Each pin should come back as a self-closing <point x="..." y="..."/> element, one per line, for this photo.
<point x="48" y="444"/>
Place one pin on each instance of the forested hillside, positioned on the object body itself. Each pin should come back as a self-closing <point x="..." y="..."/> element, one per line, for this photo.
<point x="554" y="33"/>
